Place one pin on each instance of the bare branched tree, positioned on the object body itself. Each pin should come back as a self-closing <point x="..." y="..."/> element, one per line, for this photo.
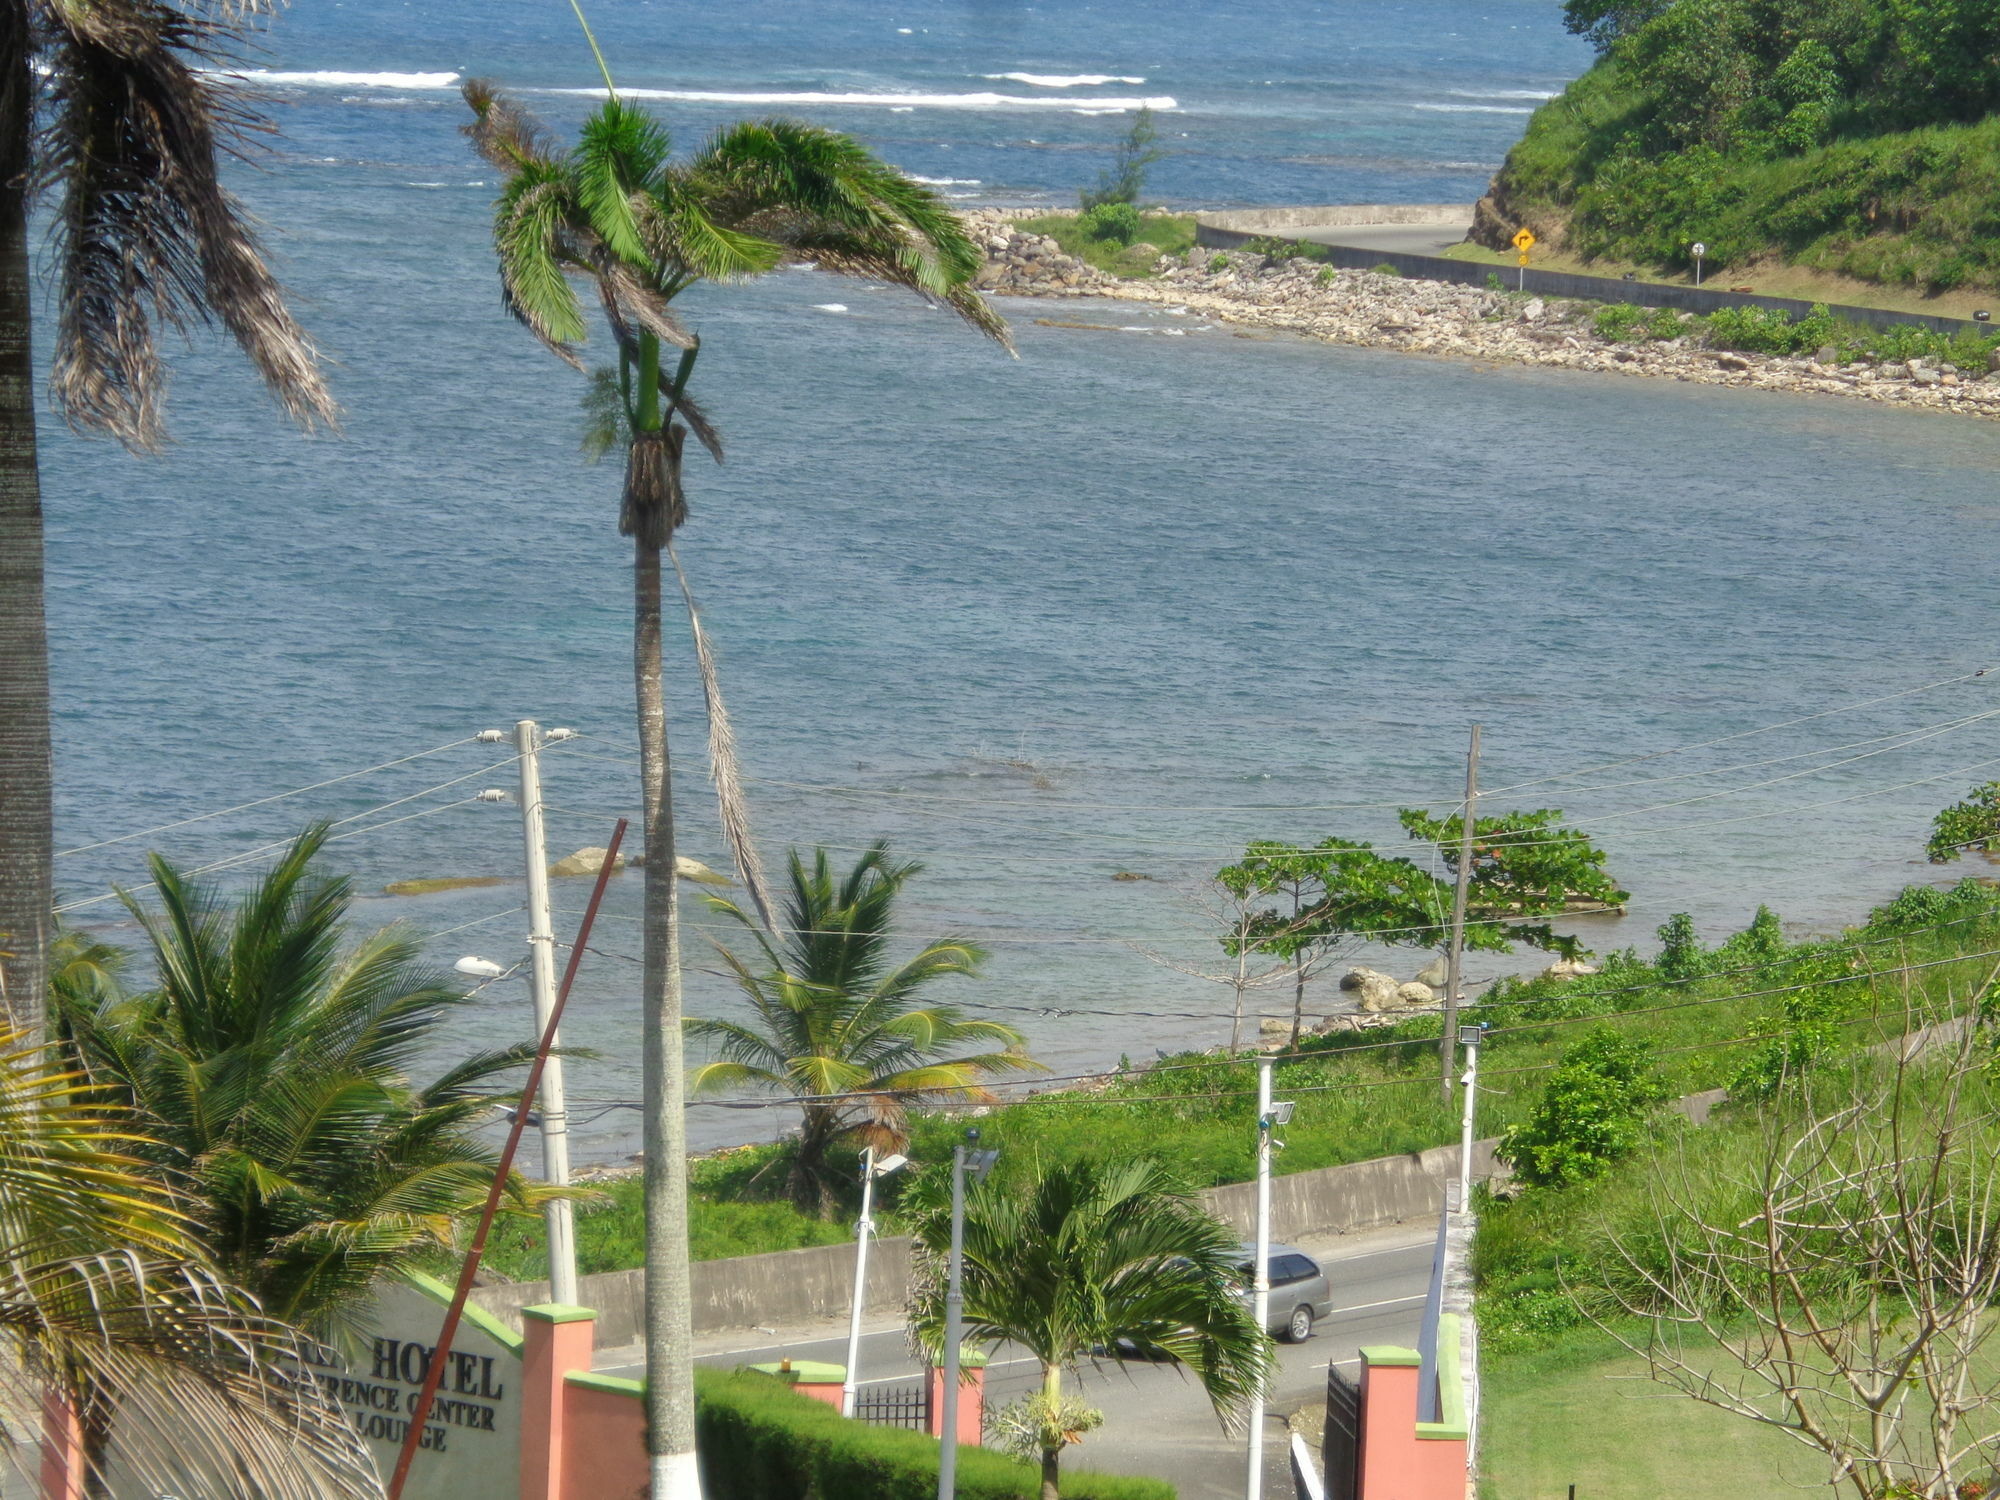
<point x="1234" y="915"/>
<point x="1833" y="1274"/>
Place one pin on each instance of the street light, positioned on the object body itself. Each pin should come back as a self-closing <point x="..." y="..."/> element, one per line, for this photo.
<point x="479" y="968"/>
<point x="1269" y="1117"/>
<point x="1469" y="1037"/>
<point x="964" y="1159"/>
<point x="1698" y="250"/>
<point x="863" y="1227"/>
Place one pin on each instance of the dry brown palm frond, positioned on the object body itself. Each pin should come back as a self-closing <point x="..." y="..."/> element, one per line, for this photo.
<point x="654" y="505"/>
<point x="502" y="132"/>
<point x="147" y="238"/>
<point x="724" y="768"/>
<point x="628" y="300"/>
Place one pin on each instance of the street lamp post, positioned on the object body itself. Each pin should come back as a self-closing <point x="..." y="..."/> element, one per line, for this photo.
<point x="964" y="1159"/>
<point x="1469" y="1037"/>
<point x="863" y="1228"/>
<point x="1699" y="250"/>
<point x="1269" y="1117"/>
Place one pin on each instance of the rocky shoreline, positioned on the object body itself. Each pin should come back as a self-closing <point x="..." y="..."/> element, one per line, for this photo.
<point x="1373" y="310"/>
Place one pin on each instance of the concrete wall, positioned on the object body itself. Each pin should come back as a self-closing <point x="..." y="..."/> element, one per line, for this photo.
<point x="795" y="1286"/>
<point x="1210" y="232"/>
<point x="1265" y="220"/>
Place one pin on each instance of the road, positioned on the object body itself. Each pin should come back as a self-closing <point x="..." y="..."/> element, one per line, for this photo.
<point x="1156" y="1421"/>
<point x="1410" y="239"/>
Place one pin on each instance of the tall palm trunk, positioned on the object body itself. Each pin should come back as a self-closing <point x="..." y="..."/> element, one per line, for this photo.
<point x="669" y="1327"/>
<point x="27" y="825"/>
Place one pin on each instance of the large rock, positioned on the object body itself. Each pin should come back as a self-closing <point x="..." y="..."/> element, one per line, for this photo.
<point x="1376" y="991"/>
<point x="1415" y="993"/>
<point x="1568" y="968"/>
<point x="584" y="862"/>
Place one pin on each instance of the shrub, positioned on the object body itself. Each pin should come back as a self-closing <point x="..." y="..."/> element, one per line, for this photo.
<point x="1111" y="221"/>
<point x="1620" y="323"/>
<point x="1769" y="330"/>
<point x="1327" y="275"/>
<point x="1494" y="283"/>
<point x="1681" y="954"/>
<point x="1385" y="269"/>
<point x="781" y="1445"/>
<point x="1592" y="1112"/>
<point x="1218" y="263"/>
<point x="1973" y="823"/>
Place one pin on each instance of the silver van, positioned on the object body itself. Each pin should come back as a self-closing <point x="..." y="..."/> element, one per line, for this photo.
<point x="1300" y="1293"/>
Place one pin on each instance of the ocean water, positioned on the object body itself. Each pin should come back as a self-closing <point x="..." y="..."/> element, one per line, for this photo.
<point x="1151" y="590"/>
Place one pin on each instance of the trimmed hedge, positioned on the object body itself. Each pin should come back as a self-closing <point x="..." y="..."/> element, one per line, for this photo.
<point x="761" y="1440"/>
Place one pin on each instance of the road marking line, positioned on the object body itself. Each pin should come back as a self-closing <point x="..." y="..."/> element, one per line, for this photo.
<point x="1385" y="1302"/>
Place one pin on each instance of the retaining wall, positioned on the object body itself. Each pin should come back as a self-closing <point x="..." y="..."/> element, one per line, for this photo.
<point x="1264" y="220"/>
<point x="1212" y="231"/>
<point x="796" y="1286"/>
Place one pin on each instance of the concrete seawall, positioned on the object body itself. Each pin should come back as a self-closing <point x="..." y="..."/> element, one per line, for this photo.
<point x="793" y="1286"/>
<point x="1255" y="221"/>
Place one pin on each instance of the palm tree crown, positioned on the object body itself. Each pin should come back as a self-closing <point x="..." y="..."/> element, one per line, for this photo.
<point x="1091" y="1258"/>
<point x="271" y="1066"/>
<point x="175" y="1379"/>
<point x="838" y="1025"/>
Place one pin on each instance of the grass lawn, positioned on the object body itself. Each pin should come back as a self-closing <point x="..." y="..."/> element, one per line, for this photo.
<point x="1556" y="1418"/>
<point x="1168" y="234"/>
<point x="1770" y="279"/>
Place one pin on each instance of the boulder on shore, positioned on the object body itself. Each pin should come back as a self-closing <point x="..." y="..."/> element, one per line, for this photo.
<point x="1416" y="993"/>
<point x="584" y="862"/>
<point x="1568" y="968"/>
<point x="1377" y="991"/>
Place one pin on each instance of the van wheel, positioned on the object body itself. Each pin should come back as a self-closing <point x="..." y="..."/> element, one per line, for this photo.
<point x="1300" y="1327"/>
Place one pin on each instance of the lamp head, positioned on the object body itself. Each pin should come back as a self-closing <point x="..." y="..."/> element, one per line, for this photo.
<point x="890" y="1164"/>
<point x="479" y="968"/>
<point x="1281" y="1113"/>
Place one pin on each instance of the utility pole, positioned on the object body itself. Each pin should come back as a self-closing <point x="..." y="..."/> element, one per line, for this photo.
<point x="1260" y="1274"/>
<point x="528" y="740"/>
<point x="964" y="1159"/>
<point x="1447" y="1051"/>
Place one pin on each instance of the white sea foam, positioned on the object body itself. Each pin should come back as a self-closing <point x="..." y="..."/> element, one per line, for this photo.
<point x="1473" y="109"/>
<point x="829" y="307"/>
<point x="902" y="109"/>
<point x="944" y="181"/>
<point x="1063" y="80"/>
<point x="930" y="101"/>
<point x="1501" y="93"/>
<point x="350" y="80"/>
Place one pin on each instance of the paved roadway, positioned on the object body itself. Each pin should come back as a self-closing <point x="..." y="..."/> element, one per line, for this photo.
<point x="1156" y="1420"/>
<point x="1411" y="239"/>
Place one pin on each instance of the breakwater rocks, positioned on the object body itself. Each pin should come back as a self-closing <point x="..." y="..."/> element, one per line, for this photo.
<point x="1436" y="318"/>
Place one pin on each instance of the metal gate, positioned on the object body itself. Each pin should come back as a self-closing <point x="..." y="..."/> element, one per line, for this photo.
<point x="894" y="1406"/>
<point x="1342" y="1443"/>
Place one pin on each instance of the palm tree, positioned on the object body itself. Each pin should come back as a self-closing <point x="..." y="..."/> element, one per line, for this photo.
<point x="839" y="1029"/>
<point x="109" y="111"/>
<point x="1090" y="1258"/>
<point x="111" y="1319"/>
<point x="621" y="214"/>
<point x="271" y="1067"/>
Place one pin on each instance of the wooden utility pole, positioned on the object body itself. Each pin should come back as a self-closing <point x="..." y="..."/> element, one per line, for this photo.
<point x="1448" y="1042"/>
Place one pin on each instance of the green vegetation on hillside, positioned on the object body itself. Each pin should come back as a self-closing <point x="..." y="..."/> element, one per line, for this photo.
<point x="1856" y="137"/>
<point x="1707" y="1018"/>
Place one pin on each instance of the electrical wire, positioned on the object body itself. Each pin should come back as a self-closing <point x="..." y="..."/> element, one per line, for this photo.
<point x="250" y="854"/>
<point x="223" y="812"/>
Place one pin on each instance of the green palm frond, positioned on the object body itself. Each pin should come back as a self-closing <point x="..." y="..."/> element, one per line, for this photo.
<point x="533" y="238"/>
<point x="835" y="1025"/>
<point x="273" y="1067"/>
<point x="616" y="162"/>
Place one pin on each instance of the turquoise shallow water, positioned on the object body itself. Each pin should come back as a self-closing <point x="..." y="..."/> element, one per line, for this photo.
<point x="1118" y="605"/>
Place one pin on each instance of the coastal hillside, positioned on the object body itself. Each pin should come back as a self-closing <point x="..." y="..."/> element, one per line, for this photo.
<point x="1860" y="137"/>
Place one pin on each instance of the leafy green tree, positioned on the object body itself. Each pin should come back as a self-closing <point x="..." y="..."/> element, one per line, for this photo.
<point x="270" y="1068"/>
<point x="839" y="1026"/>
<point x="111" y="1305"/>
<point x="1125" y="179"/>
<point x="1681" y="955"/>
<point x="1970" y="823"/>
<point x="1593" y="1110"/>
<point x="1091" y="1259"/>
<point x="639" y="226"/>
<point x="114" y="116"/>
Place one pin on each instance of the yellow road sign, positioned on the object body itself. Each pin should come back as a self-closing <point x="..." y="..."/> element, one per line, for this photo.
<point x="1524" y="241"/>
<point x="1524" y="257"/>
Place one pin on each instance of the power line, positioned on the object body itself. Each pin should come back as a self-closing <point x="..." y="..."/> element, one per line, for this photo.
<point x="250" y="854"/>
<point x="223" y="812"/>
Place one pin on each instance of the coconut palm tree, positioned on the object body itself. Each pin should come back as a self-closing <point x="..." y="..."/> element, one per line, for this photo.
<point x="112" y="118"/>
<point x="839" y="1028"/>
<point x="271" y="1070"/>
<point x="1090" y="1258"/>
<point x="638" y="226"/>
<point x="116" y="1328"/>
